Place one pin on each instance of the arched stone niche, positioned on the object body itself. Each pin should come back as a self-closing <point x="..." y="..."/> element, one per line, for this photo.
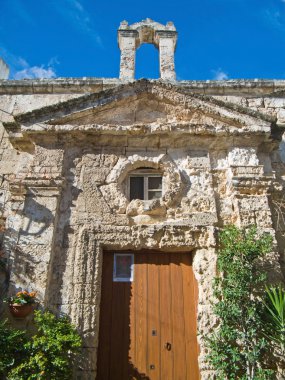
<point x="130" y="37"/>
<point x="115" y="190"/>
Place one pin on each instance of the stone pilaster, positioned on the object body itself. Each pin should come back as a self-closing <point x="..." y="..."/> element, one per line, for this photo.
<point x="167" y="44"/>
<point x="127" y="45"/>
<point x="251" y="193"/>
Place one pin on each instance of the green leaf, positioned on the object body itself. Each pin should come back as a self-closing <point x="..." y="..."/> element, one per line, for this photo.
<point x="237" y="346"/>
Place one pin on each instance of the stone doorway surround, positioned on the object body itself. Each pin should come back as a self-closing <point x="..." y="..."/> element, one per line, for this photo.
<point x="86" y="277"/>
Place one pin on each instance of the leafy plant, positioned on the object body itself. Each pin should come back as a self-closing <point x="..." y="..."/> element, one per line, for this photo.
<point x="22" y="298"/>
<point x="51" y="351"/>
<point x="237" y="346"/>
<point x="12" y="349"/>
<point x="274" y="324"/>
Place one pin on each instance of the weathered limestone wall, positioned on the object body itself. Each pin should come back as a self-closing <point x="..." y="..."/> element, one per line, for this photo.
<point x="94" y="221"/>
<point x="64" y="196"/>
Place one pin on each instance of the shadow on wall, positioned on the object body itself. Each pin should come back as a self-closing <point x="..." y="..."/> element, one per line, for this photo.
<point x="64" y="234"/>
<point x="35" y="233"/>
<point x="27" y="235"/>
<point x="282" y="148"/>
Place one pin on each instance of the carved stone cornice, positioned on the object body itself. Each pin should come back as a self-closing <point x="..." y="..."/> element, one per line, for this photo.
<point x="164" y="92"/>
<point x="255" y="185"/>
<point x="195" y="115"/>
<point x="21" y="187"/>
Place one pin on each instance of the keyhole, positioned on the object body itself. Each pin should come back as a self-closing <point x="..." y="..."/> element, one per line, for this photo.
<point x="167" y="346"/>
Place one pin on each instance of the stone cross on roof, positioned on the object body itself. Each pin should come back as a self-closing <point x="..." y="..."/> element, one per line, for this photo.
<point x="130" y="37"/>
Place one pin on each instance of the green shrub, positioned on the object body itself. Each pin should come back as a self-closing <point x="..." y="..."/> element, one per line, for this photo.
<point x="237" y="347"/>
<point x="51" y="351"/>
<point x="12" y="348"/>
<point x="274" y="321"/>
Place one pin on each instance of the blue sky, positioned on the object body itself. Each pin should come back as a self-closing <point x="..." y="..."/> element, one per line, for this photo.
<point x="217" y="39"/>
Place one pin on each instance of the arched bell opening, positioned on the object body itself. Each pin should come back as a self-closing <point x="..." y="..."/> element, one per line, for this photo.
<point x="147" y="62"/>
<point x="130" y="38"/>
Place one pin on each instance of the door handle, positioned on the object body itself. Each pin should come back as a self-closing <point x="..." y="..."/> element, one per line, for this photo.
<point x="167" y="346"/>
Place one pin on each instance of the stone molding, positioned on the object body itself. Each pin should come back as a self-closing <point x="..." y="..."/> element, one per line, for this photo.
<point x="246" y="87"/>
<point x="62" y="112"/>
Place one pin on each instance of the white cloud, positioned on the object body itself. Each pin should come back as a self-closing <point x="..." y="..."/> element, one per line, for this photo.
<point x="15" y="62"/>
<point x="78" y="5"/>
<point x="76" y="14"/>
<point x="35" y="72"/>
<point x="20" y="11"/>
<point x="22" y="62"/>
<point x="21" y="69"/>
<point x="275" y="17"/>
<point x="53" y="61"/>
<point x="220" y="74"/>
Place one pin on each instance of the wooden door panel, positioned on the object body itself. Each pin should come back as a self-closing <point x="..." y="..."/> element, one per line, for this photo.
<point x="117" y="328"/>
<point x="134" y="295"/>
<point x="166" y="364"/>
<point x="148" y="326"/>
<point x="178" y="323"/>
<point x="140" y="316"/>
<point x="106" y="322"/>
<point x="189" y="316"/>
<point x="125" y="349"/>
<point x="153" y="318"/>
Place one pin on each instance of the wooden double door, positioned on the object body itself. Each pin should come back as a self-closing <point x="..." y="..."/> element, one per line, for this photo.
<point x="148" y="317"/>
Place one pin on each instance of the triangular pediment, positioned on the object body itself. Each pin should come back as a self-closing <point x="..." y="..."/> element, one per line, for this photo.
<point x="144" y="103"/>
<point x="144" y="108"/>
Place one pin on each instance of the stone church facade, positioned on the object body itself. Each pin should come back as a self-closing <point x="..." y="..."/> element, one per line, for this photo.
<point x="72" y="151"/>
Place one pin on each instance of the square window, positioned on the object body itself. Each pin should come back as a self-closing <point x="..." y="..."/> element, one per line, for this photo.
<point x="123" y="267"/>
<point x="136" y="188"/>
<point x="145" y="186"/>
<point x="155" y="183"/>
<point x="154" y="195"/>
